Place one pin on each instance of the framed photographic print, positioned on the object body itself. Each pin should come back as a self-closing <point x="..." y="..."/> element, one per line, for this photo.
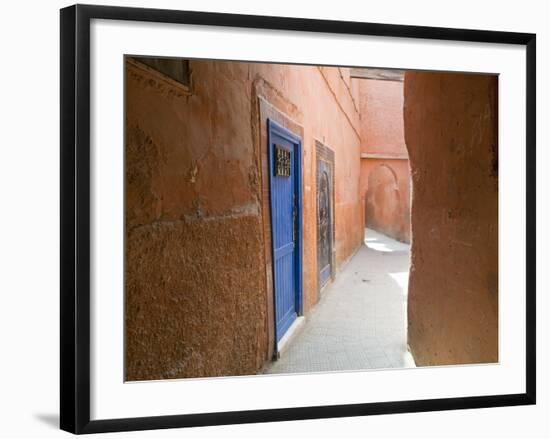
<point x="268" y="218"/>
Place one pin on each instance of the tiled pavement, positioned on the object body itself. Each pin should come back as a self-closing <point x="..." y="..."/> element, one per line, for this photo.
<point x="361" y="320"/>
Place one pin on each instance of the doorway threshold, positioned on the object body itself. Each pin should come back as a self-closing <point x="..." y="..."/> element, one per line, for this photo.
<point x="290" y="334"/>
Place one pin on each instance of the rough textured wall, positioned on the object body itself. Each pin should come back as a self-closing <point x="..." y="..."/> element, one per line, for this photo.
<point x="197" y="256"/>
<point x="385" y="175"/>
<point x="194" y="263"/>
<point x="451" y="134"/>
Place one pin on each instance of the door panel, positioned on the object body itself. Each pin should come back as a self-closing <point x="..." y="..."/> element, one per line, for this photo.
<point x="324" y="220"/>
<point x="324" y="227"/>
<point x="284" y="150"/>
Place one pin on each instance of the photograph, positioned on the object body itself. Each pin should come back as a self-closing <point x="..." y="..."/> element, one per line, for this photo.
<point x="275" y="219"/>
<point x="271" y="218"/>
<point x="299" y="219"/>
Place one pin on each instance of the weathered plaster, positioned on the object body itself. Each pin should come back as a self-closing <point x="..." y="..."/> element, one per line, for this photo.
<point x="452" y="139"/>
<point x="198" y="273"/>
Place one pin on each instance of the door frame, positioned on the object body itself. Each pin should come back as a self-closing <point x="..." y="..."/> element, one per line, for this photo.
<point x="274" y="127"/>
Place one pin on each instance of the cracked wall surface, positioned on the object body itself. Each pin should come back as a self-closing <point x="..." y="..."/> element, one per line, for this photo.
<point x="452" y="137"/>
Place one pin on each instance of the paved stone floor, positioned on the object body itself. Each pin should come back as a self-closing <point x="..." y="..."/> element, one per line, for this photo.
<point x="361" y="320"/>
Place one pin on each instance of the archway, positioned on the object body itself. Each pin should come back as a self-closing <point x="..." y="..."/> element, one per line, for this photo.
<point x="383" y="209"/>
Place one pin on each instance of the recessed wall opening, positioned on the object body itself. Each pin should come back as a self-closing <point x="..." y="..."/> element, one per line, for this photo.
<point x="297" y="219"/>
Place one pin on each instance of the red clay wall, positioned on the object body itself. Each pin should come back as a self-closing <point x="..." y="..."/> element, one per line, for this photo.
<point x="451" y="133"/>
<point x="320" y="101"/>
<point x="382" y="116"/>
<point x="386" y="193"/>
<point x="385" y="176"/>
<point x="197" y="274"/>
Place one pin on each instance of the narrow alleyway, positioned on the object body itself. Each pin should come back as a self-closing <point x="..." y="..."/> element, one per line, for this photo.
<point x="361" y="320"/>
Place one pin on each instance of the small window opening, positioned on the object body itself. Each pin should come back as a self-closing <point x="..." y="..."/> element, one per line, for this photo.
<point x="175" y="68"/>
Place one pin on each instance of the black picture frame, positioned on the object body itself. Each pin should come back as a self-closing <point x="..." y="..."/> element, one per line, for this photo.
<point x="75" y="217"/>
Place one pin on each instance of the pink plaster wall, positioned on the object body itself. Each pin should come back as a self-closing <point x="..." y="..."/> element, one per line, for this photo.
<point x="381" y="107"/>
<point x="197" y="244"/>
<point x="452" y="134"/>
<point x="385" y="178"/>
<point x="386" y="189"/>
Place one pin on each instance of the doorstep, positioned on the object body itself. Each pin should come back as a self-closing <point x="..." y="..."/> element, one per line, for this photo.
<point x="292" y="332"/>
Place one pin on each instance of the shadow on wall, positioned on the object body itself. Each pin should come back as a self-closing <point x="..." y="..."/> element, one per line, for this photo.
<point x="383" y="204"/>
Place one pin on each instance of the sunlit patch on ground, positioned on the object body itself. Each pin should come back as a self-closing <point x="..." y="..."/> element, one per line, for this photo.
<point x="361" y="319"/>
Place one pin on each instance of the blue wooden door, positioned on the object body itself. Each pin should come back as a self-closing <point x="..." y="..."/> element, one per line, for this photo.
<point x="285" y="193"/>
